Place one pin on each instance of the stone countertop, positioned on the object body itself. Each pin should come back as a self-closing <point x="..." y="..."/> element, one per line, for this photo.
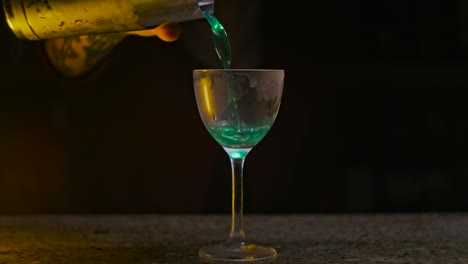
<point x="145" y="239"/>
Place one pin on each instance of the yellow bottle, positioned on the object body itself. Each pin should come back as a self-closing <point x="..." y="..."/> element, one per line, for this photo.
<point x="39" y="19"/>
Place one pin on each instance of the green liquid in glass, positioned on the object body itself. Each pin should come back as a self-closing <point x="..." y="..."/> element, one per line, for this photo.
<point x="231" y="137"/>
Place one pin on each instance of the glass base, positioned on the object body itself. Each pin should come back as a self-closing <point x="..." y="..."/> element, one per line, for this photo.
<point x="236" y="251"/>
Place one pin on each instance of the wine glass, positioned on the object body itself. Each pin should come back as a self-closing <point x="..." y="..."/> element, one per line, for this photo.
<point x="238" y="108"/>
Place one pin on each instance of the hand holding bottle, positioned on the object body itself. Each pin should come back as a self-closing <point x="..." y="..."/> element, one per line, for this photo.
<point x="73" y="57"/>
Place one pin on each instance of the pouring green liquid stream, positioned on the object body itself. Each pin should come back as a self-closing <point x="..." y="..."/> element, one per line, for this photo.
<point x="220" y="40"/>
<point x="223" y="49"/>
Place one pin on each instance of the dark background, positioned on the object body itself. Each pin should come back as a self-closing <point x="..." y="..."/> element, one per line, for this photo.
<point x="373" y="117"/>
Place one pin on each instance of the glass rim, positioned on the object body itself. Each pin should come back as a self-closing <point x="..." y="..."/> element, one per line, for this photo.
<point x="238" y="70"/>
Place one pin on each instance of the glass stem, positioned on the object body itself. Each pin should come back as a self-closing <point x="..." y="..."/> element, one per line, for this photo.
<point x="237" y="233"/>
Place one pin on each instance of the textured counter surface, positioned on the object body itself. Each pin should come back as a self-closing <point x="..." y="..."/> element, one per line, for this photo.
<point x="141" y="239"/>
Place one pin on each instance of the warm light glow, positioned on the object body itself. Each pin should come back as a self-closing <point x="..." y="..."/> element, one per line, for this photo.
<point x="208" y="103"/>
<point x="168" y="32"/>
<point x="251" y="246"/>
